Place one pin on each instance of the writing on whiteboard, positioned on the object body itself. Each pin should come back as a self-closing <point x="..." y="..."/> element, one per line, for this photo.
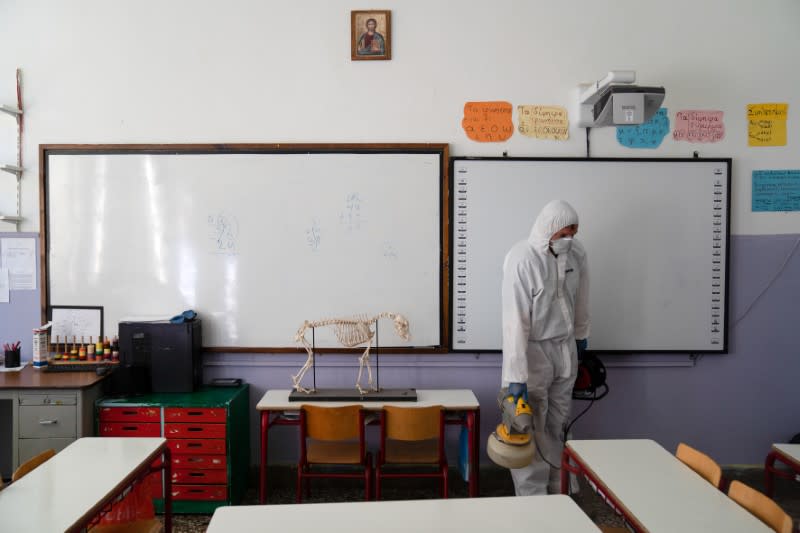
<point x="313" y="235"/>
<point x="389" y="250"/>
<point x="351" y="218"/>
<point x="223" y="233"/>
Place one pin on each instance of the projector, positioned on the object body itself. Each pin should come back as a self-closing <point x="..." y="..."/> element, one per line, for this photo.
<point x="616" y="101"/>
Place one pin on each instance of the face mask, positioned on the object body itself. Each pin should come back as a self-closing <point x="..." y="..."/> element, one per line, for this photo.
<point x="561" y="246"/>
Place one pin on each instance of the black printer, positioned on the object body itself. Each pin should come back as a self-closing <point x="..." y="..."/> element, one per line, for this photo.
<point x="158" y="357"/>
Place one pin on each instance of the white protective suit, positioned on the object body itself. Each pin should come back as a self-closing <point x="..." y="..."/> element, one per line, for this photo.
<point x="545" y="308"/>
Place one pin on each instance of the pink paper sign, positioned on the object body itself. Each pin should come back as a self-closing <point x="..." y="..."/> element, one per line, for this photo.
<point x="698" y="126"/>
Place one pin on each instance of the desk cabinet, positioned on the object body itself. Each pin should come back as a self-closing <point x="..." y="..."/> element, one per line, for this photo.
<point x="207" y="432"/>
<point x="41" y="410"/>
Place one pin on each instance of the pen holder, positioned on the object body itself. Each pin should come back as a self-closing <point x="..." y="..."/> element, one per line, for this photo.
<point x="12" y="358"/>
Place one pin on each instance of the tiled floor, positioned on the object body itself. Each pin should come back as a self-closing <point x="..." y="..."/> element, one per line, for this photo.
<point x="494" y="482"/>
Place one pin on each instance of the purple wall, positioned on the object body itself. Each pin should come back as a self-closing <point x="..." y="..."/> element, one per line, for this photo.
<point x="731" y="406"/>
<point x="22" y="313"/>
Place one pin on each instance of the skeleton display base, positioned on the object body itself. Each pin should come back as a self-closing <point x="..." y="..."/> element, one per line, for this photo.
<point x="352" y="395"/>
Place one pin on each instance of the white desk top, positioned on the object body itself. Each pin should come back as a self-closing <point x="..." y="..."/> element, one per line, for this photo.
<point x="66" y="488"/>
<point x="791" y="451"/>
<point x="661" y="492"/>
<point x="551" y="514"/>
<point x="454" y="399"/>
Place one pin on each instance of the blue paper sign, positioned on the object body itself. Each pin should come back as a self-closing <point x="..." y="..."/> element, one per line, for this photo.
<point x="776" y="190"/>
<point x="647" y="135"/>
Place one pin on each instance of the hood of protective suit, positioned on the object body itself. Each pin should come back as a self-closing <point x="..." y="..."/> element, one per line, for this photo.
<point x="553" y="217"/>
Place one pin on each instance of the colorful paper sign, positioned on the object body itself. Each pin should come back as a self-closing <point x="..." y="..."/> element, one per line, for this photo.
<point x="647" y="135"/>
<point x="698" y="126"/>
<point x="543" y="122"/>
<point x="776" y="190"/>
<point x="487" y="121"/>
<point x="766" y="124"/>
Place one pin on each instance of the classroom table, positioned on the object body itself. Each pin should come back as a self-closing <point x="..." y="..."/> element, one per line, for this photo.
<point x="553" y="514"/>
<point x="73" y="489"/>
<point x="277" y="410"/>
<point x="652" y="489"/>
<point x="789" y="455"/>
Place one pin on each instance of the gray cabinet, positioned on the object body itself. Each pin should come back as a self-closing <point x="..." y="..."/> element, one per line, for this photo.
<point x="41" y="410"/>
<point x="46" y="421"/>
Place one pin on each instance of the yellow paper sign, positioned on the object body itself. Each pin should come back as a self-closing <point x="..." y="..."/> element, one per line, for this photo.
<point x="487" y="121"/>
<point x="543" y="122"/>
<point x="766" y="124"/>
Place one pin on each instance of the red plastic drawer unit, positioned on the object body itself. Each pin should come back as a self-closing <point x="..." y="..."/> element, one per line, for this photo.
<point x="199" y="461"/>
<point x="199" y="492"/>
<point x="183" y="476"/>
<point x="130" y="414"/>
<point x="207" y="435"/>
<point x="202" y="446"/>
<point x="201" y="414"/>
<point x="129" y="429"/>
<point x="194" y="431"/>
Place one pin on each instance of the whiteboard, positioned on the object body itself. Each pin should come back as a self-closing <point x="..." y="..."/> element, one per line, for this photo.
<point x="255" y="240"/>
<point x="656" y="233"/>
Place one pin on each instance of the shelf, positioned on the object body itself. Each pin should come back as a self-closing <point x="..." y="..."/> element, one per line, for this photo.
<point x="13" y="169"/>
<point x="10" y="218"/>
<point x="11" y="110"/>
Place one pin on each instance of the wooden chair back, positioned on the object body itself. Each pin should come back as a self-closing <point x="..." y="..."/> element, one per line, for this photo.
<point x="413" y="423"/>
<point x="332" y="423"/>
<point x="760" y="506"/>
<point x="32" y="463"/>
<point x="700" y="463"/>
<point x="412" y="439"/>
<point x="333" y="436"/>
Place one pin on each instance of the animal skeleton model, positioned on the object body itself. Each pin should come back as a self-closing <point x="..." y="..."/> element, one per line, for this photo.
<point x="351" y="332"/>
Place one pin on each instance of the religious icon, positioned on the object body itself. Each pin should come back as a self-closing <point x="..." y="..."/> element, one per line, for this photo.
<point x="370" y="35"/>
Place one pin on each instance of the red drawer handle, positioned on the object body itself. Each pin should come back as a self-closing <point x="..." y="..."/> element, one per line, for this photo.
<point x="196" y="474"/>
<point x="194" y="429"/>
<point x="194" y="413"/>
<point x="130" y="428"/>
<point x="194" y="445"/>
<point x="128" y="412"/>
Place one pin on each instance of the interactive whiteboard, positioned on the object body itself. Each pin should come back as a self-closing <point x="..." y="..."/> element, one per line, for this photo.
<point x="656" y="233"/>
<point x="255" y="238"/>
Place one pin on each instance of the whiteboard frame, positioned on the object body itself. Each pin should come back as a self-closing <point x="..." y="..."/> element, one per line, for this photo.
<point x="726" y="325"/>
<point x="440" y="149"/>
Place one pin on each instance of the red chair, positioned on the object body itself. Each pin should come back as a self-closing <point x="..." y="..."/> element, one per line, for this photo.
<point x="412" y="445"/>
<point x="333" y="437"/>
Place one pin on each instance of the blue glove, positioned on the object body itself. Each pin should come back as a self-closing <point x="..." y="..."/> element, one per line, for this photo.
<point x="582" y="345"/>
<point x="517" y="391"/>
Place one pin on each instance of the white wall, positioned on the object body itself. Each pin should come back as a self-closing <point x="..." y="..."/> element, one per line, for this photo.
<point x="179" y="71"/>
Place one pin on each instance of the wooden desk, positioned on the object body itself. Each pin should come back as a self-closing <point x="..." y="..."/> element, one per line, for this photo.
<point x="652" y="489"/>
<point x="48" y="410"/>
<point x="74" y="488"/>
<point x="788" y="454"/>
<point x="552" y="514"/>
<point x="456" y="401"/>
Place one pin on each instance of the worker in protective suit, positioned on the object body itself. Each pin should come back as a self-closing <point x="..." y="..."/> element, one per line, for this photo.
<point x="545" y="298"/>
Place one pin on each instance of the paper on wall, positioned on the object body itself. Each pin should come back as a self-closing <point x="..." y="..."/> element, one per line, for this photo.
<point x="766" y="124"/>
<point x="543" y="122"/>
<point x="487" y="121"/>
<point x="699" y="126"/>
<point x="18" y="255"/>
<point x="4" y="299"/>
